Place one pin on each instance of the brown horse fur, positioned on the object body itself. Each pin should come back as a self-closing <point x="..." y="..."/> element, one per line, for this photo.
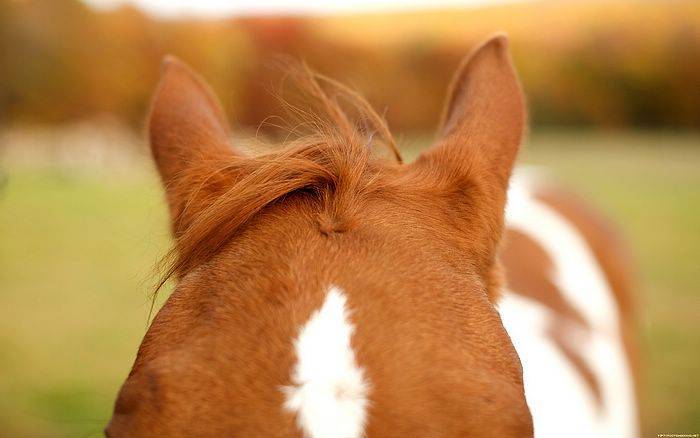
<point x="258" y="240"/>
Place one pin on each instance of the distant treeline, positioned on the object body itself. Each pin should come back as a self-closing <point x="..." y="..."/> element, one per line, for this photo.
<point x="584" y="63"/>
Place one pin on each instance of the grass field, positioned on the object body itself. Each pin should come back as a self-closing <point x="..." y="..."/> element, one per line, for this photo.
<point x="77" y="251"/>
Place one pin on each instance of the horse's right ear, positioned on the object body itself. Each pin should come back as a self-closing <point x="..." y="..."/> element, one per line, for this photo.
<point x="187" y="129"/>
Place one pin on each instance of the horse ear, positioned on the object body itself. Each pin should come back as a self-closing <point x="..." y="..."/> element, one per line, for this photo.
<point x="187" y="129"/>
<point x="484" y="118"/>
<point x="480" y="135"/>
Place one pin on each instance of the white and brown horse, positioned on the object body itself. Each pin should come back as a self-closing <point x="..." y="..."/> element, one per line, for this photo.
<point x="325" y="291"/>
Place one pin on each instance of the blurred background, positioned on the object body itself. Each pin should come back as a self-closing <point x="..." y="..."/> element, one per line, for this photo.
<point x="614" y="97"/>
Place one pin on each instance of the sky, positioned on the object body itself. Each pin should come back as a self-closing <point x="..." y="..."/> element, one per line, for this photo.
<point x="218" y="8"/>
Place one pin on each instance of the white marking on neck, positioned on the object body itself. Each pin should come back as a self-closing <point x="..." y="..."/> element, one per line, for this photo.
<point x="329" y="391"/>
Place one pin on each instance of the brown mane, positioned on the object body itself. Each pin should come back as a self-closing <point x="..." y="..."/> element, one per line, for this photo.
<point x="330" y="158"/>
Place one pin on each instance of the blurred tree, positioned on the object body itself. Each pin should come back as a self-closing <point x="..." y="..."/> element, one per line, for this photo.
<point x="603" y="64"/>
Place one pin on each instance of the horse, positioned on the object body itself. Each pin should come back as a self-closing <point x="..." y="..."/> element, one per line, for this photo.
<point x="324" y="289"/>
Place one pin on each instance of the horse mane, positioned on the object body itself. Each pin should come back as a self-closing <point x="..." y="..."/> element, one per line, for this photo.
<point x="328" y="152"/>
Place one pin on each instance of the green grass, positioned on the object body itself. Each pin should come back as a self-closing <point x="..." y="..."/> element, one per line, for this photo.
<point x="75" y="264"/>
<point x="77" y="252"/>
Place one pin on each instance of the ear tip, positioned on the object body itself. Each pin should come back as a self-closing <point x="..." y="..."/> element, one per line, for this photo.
<point x="169" y="62"/>
<point x="498" y="41"/>
<point x="174" y="70"/>
<point x="497" y="45"/>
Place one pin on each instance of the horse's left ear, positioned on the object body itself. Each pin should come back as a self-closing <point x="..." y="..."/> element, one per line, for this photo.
<point x="188" y="131"/>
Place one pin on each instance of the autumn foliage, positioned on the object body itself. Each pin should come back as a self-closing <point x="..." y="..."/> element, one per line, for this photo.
<point x="586" y="63"/>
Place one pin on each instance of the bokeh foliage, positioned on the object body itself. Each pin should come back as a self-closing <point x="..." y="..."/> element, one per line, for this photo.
<point x="625" y="63"/>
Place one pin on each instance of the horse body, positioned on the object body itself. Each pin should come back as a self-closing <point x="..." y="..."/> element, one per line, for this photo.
<point x="566" y="308"/>
<point x="325" y="292"/>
